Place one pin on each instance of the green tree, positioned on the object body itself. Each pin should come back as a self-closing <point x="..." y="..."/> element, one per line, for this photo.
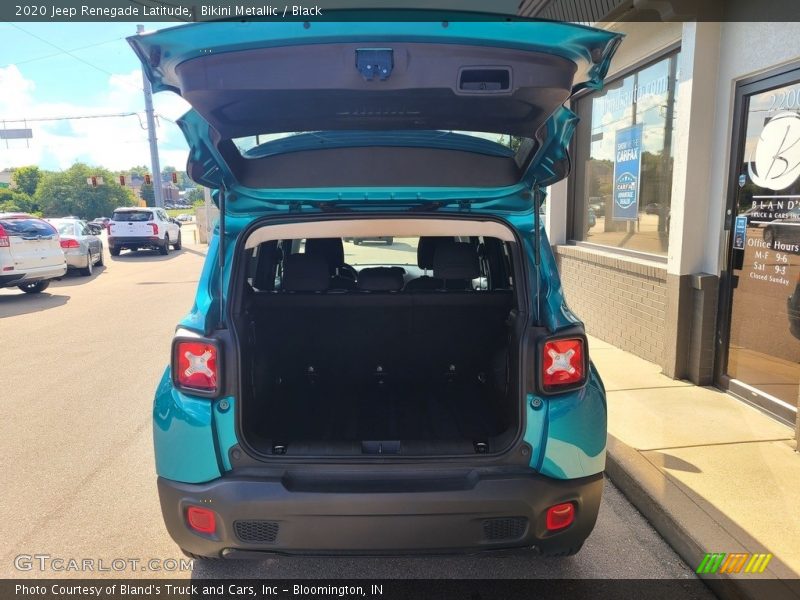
<point x="68" y="193"/>
<point x="27" y="178"/>
<point x="16" y="201"/>
<point x="139" y="170"/>
<point x="194" y="195"/>
<point x="512" y="141"/>
<point x="148" y="194"/>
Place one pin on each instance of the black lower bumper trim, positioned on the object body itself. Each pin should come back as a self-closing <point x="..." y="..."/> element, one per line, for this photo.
<point x="497" y="512"/>
<point x="9" y="280"/>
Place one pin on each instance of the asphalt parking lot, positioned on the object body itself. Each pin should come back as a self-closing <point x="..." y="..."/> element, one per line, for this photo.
<point x="80" y="363"/>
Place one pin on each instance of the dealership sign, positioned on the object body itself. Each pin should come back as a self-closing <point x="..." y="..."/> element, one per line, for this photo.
<point x="627" y="173"/>
<point x="776" y="161"/>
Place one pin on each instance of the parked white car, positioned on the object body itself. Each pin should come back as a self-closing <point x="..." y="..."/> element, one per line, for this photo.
<point x="142" y="227"/>
<point x="30" y="253"/>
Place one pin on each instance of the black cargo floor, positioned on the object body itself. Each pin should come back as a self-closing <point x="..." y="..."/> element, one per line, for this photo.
<point x="374" y="411"/>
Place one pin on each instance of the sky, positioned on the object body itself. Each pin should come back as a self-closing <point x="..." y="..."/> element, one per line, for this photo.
<point x="80" y="69"/>
<point x="86" y="69"/>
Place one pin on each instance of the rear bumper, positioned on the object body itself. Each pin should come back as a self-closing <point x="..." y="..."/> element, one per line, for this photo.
<point x="280" y="516"/>
<point x="77" y="258"/>
<point x="135" y="242"/>
<point x="32" y="275"/>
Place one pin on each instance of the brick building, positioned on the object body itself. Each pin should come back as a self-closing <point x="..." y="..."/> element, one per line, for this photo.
<point x="698" y="268"/>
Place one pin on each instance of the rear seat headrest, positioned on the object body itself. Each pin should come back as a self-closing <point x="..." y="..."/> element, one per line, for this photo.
<point x="380" y="279"/>
<point x="331" y="249"/>
<point x="456" y="260"/>
<point x="426" y="249"/>
<point x="305" y="273"/>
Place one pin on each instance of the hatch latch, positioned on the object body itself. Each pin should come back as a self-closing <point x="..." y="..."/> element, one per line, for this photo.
<point x="375" y="62"/>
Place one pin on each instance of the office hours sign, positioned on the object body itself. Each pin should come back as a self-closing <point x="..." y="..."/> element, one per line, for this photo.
<point x="627" y="173"/>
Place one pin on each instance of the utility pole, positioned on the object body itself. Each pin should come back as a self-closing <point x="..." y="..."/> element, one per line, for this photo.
<point x="158" y="192"/>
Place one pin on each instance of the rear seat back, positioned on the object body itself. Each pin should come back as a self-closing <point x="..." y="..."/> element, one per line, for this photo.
<point x="426" y="249"/>
<point x="380" y="279"/>
<point x="305" y="273"/>
<point x="355" y="336"/>
<point x="456" y="264"/>
<point x="378" y="332"/>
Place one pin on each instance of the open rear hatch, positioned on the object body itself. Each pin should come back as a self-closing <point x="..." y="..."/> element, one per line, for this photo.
<point x="349" y="83"/>
<point x="393" y="116"/>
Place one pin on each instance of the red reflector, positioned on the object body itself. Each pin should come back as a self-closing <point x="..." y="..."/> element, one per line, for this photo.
<point x="201" y="520"/>
<point x="563" y="363"/>
<point x="196" y="365"/>
<point x="69" y="243"/>
<point x="560" y="516"/>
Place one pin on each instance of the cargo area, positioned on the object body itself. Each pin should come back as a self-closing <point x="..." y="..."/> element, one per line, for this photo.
<point x="404" y="359"/>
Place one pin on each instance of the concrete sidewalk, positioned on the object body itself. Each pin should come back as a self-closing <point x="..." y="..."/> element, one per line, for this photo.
<point x="711" y="473"/>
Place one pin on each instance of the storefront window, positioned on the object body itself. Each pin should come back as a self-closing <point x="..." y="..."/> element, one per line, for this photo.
<point x="764" y="346"/>
<point x="623" y="160"/>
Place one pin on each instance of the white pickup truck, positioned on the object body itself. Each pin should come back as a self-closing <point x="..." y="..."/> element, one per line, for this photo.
<point x="142" y="227"/>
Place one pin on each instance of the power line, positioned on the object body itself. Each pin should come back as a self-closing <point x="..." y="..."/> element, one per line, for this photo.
<point x="102" y="116"/>
<point x="29" y="60"/>
<point x="69" y="53"/>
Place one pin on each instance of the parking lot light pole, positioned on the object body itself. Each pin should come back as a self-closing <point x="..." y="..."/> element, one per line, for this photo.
<point x="158" y="192"/>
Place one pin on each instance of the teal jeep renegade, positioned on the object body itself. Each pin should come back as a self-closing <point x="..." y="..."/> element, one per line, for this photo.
<point x="432" y="395"/>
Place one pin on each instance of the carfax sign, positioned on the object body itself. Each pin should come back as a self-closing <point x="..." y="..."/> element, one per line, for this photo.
<point x="627" y="171"/>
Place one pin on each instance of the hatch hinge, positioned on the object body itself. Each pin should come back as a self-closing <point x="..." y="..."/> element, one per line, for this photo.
<point x="375" y="62"/>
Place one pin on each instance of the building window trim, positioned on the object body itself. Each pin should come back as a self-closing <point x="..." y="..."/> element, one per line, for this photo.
<point x="622" y="252"/>
<point x="672" y="49"/>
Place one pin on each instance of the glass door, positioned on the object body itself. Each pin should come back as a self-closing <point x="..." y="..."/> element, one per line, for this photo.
<point x="763" y="336"/>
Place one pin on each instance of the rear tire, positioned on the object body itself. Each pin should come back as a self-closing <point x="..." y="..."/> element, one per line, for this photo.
<point x="35" y="287"/>
<point x="177" y="245"/>
<point x="389" y="241"/>
<point x="101" y="261"/>
<point x="87" y="270"/>
<point x="114" y="251"/>
<point x="165" y="247"/>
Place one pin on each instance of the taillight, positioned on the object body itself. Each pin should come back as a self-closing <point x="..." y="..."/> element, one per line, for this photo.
<point x="4" y="241"/>
<point x="202" y="520"/>
<point x="564" y="364"/>
<point x="155" y="228"/>
<point x="560" y="516"/>
<point x="195" y="366"/>
<point x="70" y="244"/>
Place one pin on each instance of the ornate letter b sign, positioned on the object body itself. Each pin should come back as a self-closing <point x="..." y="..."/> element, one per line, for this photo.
<point x="775" y="163"/>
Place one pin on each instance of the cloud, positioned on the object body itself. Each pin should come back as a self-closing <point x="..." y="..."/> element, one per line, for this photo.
<point x="115" y="143"/>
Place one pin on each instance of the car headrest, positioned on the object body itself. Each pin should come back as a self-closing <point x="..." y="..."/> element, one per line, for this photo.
<point x="426" y="248"/>
<point x="456" y="260"/>
<point x="331" y="249"/>
<point x="380" y="279"/>
<point x="305" y="273"/>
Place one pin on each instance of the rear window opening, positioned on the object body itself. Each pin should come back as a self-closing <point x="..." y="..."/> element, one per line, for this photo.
<point x="26" y="226"/>
<point x="379" y="341"/>
<point x="132" y="215"/>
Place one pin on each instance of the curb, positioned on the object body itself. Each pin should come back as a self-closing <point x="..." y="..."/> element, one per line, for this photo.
<point x="685" y="526"/>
